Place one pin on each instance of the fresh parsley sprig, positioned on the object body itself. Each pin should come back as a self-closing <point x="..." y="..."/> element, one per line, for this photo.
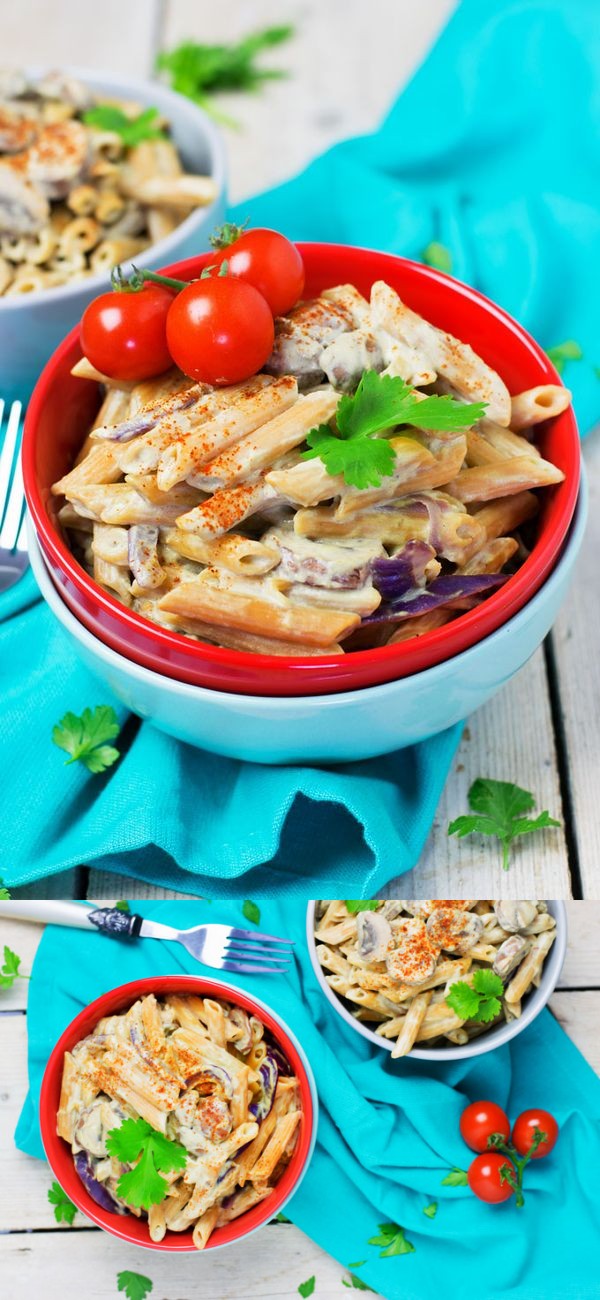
<point x="307" y="1288"/>
<point x="85" y="738"/>
<point x="132" y="130"/>
<point x="356" y="1283"/>
<point x="64" y="1210"/>
<point x="251" y="911"/>
<point x="560" y="353"/>
<point x="9" y="971"/>
<point x="4" y="893"/>
<point x="136" y="1143"/>
<point x="200" y="71"/>
<point x="455" y="1178"/>
<point x="354" y="905"/>
<point x="392" y="1239"/>
<point x="497" y="809"/>
<point x="379" y="405"/>
<point x="477" y="1000"/>
<point x="437" y="256"/>
<point x="135" y="1285"/>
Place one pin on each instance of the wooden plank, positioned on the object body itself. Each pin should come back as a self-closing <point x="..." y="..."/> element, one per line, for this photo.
<point x="34" y="32"/>
<point x="103" y="885"/>
<point x="510" y="739"/>
<point x="579" y="1015"/>
<point x="582" y="965"/>
<point x="337" y="85"/>
<point x="269" y="1266"/>
<point x="575" y="642"/>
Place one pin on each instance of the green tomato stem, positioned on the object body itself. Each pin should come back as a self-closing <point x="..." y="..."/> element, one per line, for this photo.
<point x="139" y="277"/>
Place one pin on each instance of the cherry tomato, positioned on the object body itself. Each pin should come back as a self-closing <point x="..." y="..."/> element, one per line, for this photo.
<point x="480" y="1120"/>
<point x="524" y="1130"/>
<point x="125" y="334"/>
<point x="220" y="330"/>
<point x="484" y="1178"/>
<point x="269" y="262"/>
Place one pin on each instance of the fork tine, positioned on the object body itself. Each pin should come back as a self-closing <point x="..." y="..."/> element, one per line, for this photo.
<point x="7" y="454"/>
<point x="241" y="969"/>
<point x="257" y="934"/>
<point x="13" y="513"/>
<point x="272" y="949"/>
<point x="246" y="956"/>
<point x="260" y="961"/>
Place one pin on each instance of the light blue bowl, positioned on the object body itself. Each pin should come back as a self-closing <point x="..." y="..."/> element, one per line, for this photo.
<point x="32" y="326"/>
<point x="327" y="728"/>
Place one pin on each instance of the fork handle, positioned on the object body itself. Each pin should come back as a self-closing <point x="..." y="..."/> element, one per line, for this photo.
<point x="79" y="916"/>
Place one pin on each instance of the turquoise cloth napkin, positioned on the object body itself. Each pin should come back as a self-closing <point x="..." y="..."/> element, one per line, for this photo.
<point x="493" y="149"/>
<point x="388" y="1130"/>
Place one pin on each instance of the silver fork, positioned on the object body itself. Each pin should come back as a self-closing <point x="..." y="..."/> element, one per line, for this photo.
<point x="13" y="543"/>
<point x="224" y="947"/>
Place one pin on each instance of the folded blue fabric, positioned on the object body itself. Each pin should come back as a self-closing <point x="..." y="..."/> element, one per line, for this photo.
<point x="493" y="150"/>
<point x="388" y="1130"/>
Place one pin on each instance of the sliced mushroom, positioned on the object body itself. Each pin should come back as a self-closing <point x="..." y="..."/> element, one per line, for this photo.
<point x="94" y="1124"/>
<point x="345" y="359"/>
<point x="23" y="210"/>
<point x="58" y="157"/>
<point x="13" y="83"/>
<point x="510" y="955"/>
<point x="59" y="85"/>
<point x="392" y="908"/>
<point x="374" y="936"/>
<point x="515" y="914"/>
<point x="413" y="959"/>
<point x="453" y="929"/>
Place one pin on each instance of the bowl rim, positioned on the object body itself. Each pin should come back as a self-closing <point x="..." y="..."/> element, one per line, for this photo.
<point x="131" y="991"/>
<point x="272" y="704"/>
<point x="472" y="625"/>
<point x="490" y="1039"/>
<point x="182" y="107"/>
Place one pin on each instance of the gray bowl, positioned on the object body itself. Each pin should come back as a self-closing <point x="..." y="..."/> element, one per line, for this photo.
<point x="32" y="326"/>
<point x="491" y="1038"/>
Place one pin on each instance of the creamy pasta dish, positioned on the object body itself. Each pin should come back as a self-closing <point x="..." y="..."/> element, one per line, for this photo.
<point x="85" y="182"/>
<point x="396" y="966"/>
<point x="219" y="512"/>
<point x="182" y="1110"/>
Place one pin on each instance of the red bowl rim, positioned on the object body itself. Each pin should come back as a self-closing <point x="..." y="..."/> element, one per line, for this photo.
<point x="58" y="1152"/>
<point x="412" y="655"/>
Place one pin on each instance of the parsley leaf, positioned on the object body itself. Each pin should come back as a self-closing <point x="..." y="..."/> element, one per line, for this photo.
<point x="307" y="1288"/>
<point x="380" y="403"/>
<point x="64" y="1210"/>
<point x="456" y="1178"/>
<point x="136" y="1140"/>
<point x="132" y="130"/>
<point x="438" y="256"/>
<point x="497" y="808"/>
<point x="198" y="71"/>
<point x="431" y="1210"/>
<point x="479" y="999"/>
<point x="570" y="350"/>
<point x="356" y="1284"/>
<point x="281" y="1218"/>
<point x="122" y="905"/>
<point x="4" y="894"/>
<point x="9" y="971"/>
<point x="392" y="1238"/>
<point x="251" y="911"/>
<point x="84" y="738"/>
<point x="354" y="905"/>
<point x="135" y="1285"/>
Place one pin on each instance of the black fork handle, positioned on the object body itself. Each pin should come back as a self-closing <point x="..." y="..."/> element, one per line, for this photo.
<point x="111" y="920"/>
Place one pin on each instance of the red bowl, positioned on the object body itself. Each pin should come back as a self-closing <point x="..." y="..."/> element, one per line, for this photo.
<point x="58" y="1152"/>
<point x="62" y="407"/>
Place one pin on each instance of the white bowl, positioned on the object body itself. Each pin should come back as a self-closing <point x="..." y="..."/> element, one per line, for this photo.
<point x="491" y="1038"/>
<point x="340" y="728"/>
<point x="32" y="325"/>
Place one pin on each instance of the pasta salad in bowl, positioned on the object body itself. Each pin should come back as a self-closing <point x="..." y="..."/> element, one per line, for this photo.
<point x="178" y="1113"/>
<point x="437" y="979"/>
<point x="367" y="502"/>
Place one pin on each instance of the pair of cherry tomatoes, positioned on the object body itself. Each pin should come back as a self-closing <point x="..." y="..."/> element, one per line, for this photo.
<point x="477" y="1124"/>
<point x="218" y="329"/>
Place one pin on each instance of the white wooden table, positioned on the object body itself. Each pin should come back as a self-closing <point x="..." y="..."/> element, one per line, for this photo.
<point x="33" y="1253"/>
